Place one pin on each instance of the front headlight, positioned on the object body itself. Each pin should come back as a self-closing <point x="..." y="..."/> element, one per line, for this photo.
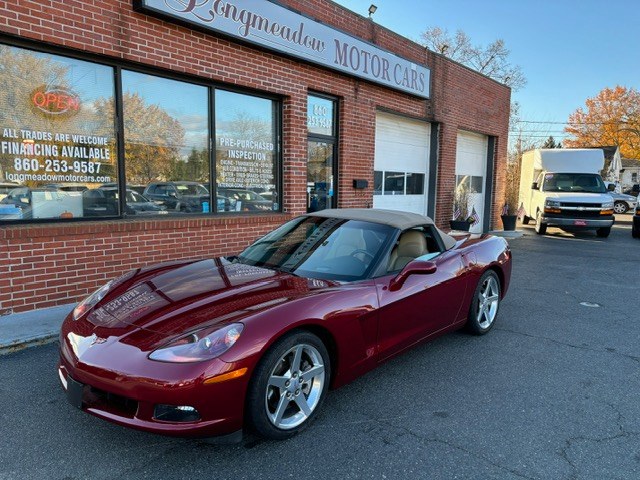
<point x="552" y="203"/>
<point x="607" y="206"/>
<point x="204" y="344"/>
<point x="91" y="301"/>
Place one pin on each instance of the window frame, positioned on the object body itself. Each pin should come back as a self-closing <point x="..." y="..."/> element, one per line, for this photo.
<point x="120" y="64"/>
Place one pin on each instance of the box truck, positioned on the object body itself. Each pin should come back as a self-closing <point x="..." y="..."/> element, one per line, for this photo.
<point x="563" y="188"/>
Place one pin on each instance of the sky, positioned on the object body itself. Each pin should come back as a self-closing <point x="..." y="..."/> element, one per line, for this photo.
<point x="569" y="50"/>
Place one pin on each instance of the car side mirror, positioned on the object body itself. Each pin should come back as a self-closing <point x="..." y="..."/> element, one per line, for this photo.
<point x="534" y="186"/>
<point x="415" y="267"/>
<point x="611" y="187"/>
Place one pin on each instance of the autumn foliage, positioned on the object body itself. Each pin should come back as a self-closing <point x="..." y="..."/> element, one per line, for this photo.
<point x="612" y="117"/>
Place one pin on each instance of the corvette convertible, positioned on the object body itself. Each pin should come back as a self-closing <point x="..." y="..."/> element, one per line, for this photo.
<point x="212" y="347"/>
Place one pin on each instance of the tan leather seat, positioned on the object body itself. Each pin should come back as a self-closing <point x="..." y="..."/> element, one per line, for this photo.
<point x="411" y="245"/>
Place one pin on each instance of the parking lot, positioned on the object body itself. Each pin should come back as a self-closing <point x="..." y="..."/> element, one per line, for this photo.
<point x="550" y="393"/>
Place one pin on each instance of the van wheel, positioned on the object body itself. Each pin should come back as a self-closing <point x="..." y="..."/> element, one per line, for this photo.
<point x="603" y="232"/>
<point x="541" y="228"/>
<point x="526" y="220"/>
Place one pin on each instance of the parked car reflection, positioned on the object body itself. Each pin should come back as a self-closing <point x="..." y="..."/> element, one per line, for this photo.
<point x="28" y="203"/>
<point x="246" y="200"/>
<point x="186" y="197"/>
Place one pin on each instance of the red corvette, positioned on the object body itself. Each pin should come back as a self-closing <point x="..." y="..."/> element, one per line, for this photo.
<point x="209" y="347"/>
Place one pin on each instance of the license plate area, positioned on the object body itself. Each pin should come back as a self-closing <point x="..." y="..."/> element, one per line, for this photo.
<point x="74" y="392"/>
<point x="580" y="223"/>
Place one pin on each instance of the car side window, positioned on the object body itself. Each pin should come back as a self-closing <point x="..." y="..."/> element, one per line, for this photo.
<point x="418" y="243"/>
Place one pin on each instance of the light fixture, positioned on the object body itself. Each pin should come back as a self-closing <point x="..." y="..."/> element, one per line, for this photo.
<point x="372" y="10"/>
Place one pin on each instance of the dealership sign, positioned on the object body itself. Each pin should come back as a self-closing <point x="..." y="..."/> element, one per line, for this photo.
<point x="274" y="27"/>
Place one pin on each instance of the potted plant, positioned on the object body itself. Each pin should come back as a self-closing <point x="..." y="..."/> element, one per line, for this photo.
<point x="461" y="216"/>
<point x="511" y="196"/>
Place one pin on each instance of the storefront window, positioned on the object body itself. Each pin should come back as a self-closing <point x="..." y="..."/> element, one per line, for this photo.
<point x="57" y="141"/>
<point x="246" y="153"/>
<point x="166" y="132"/>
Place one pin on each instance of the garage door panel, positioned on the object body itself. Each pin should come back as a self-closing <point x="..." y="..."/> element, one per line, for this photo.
<point x="402" y="146"/>
<point x="471" y="166"/>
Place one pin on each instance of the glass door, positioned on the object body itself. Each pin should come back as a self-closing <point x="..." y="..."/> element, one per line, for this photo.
<point x="320" y="176"/>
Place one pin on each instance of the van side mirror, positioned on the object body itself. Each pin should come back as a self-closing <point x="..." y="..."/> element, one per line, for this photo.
<point x="534" y="186"/>
<point x="415" y="267"/>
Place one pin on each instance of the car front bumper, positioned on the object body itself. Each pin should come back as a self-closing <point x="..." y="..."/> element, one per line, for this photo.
<point x="580" y="223"/>
<point x="130" y="398"/>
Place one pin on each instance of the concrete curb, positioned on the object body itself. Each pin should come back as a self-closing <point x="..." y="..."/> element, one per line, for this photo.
<point x="508" y="234"/>
<point x="37" y="327"/>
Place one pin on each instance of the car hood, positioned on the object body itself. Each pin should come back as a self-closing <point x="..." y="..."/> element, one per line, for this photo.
<point x="576" y="197"/>
<point x="157" y="304"/>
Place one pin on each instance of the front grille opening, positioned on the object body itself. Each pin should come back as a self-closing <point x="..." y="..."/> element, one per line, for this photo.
<point x="117" y="404"/>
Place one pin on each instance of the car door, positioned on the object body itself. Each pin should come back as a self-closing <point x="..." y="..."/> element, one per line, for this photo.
<point x="425" y="304"/>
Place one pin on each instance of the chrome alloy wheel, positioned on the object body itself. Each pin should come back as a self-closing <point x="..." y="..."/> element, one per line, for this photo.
<point x="488" y="298"/>
<point x="295" y="386"/>
<point x="620" y="207"/>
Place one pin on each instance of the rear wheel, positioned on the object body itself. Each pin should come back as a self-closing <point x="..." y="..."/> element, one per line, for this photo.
<point x="288" y="386"/>
<point x="603" y="232"/>
<point x="635" y="233"/>
<point x="620" y="207"/>
<point x="541" y="228"/>
<point x="485" y="304"/>
<point x="526" y="220"/>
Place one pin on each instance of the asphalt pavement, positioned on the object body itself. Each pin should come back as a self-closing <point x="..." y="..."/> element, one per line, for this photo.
<point x="552" y="392"/>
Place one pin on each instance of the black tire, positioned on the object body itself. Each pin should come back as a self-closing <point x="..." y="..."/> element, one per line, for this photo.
<point x="262" y="395"/>
<point x="541" y="228"/>
<point x="474" y="325"/>
<point x="603" y="232"/>
<point x="526" y="220"/>
<point x="635" y="233"/>
<point x="620" y="207"/>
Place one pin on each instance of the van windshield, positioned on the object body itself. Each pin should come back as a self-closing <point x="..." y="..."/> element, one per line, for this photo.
<point x="573" y="182"/>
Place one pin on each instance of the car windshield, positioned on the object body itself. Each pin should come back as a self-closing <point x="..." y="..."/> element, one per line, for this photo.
<point x="191" y="189"/>
<point x="324" y="248"/>
<point x="135" y="197"/>
<point x="573" y="182"/>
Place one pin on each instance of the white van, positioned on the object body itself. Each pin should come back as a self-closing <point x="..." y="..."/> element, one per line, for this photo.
<point x="563" y="188"/>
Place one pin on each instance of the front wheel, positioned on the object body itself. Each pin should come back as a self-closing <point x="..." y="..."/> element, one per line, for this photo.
<point x="288" y="386"/>
<point x="541" y="228"/>
<point x="635" y="233"/>
<point x="620" y="207"/>
<point x="603" y="232"/>
<point x="526" y="220"/>
<point x="485" y="304"/>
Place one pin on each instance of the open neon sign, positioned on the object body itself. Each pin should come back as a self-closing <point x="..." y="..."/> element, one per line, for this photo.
<point x="55" y="101"/>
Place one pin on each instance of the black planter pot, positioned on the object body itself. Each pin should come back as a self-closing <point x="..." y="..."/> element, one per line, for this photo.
<point x="461" y="225"/>
<point x="509" y="222"/>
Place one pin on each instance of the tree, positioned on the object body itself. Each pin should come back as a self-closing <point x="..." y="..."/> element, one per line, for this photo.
<point x="153" y="138"/>
<point x="551" y="143"/>
<point x="612" y="117"/>
<point x="491" y="60"/>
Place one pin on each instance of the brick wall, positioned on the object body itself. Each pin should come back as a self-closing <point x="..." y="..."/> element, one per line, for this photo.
<point x="45" y="265"/>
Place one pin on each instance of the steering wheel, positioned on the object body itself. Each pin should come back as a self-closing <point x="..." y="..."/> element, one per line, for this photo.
<point x="363" y="252"/>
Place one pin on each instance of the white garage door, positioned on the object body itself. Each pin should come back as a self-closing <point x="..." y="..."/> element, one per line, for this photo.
<point x="401" y="163"/>
<point x="471" y="169"/>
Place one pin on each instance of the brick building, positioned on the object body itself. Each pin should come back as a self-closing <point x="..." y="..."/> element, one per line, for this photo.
<point x="136" y="132"/>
